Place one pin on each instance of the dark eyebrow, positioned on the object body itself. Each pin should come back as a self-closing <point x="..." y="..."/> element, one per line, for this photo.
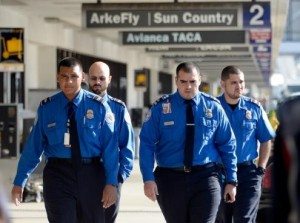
<point x="184" y="81"/>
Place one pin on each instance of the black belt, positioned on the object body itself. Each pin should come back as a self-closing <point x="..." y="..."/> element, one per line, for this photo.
<point x="246" y="163"/>
<point x="91" y="160"/>
<point x="189" y="169"/>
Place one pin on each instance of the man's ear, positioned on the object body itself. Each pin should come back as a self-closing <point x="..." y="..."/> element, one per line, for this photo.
<point x="222" y="84"/>
<point x="84" y="77"/>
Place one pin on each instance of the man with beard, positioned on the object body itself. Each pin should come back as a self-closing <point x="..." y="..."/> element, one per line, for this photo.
<point x="99" y="79"/>
<point x="250" y="125"/>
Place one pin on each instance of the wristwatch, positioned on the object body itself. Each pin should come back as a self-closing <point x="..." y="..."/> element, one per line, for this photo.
<point x="261" y="170"/>
<point x="234" y="183"/>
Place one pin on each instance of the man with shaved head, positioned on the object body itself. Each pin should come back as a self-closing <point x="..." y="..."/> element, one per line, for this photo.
<point x="99" y="79"/>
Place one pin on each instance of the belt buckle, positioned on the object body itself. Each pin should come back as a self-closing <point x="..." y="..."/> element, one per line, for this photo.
<point x="187" y="169"/>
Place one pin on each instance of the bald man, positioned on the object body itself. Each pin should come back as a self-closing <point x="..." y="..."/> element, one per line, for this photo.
<point x="99" y="79"/>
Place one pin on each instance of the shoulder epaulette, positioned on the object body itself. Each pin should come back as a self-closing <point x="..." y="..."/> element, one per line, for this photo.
<point x="116" y="100"/>
<point x="97" y="98"/>
<point x="210" y="97"/>
<point x="254" y="101"/>
<point x="162" y="98"/>
<point x="45" y="101"/>
<point x="94" y="97"/>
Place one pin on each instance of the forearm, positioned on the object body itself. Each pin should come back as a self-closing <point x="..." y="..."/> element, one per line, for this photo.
<point x="126" y="159"/>
<point x="264" y="154"/>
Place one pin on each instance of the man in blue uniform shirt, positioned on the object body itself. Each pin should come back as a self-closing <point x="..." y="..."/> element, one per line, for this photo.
<point x="80" y="175"/>
<point x="187" y="192"/>
<point x="250" y="125"/>
<point x="99" y="79"/>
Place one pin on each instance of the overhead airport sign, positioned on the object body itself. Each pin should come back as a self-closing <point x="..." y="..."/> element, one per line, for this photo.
<point x="183" y="37"/>
<point x="134" y="15"/>
<point x="262" y="49"/>
<point x="259" y="36"/>
<point x="202" y="48"/>
<point x="208" y="58"/>
<point x="257" y="15"/>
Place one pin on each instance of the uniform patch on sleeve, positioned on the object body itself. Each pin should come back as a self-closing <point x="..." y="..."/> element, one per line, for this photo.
<point x="166" y="107"/>
<point x="148" y="116"/>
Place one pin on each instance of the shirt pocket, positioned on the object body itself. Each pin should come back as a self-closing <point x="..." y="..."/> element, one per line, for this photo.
<point x="208" y="127"/>
<point x="53" y="135"/>
<point x="169" y="130"/>
<point x="248" y="128"/>
<point x="90" y="129"/>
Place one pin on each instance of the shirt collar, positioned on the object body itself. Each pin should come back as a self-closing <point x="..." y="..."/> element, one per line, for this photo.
<point x="181" y="100"/>
<point x="105" y="97"/>
<point x="75" y="100"/>
<point x="240" y="104"/>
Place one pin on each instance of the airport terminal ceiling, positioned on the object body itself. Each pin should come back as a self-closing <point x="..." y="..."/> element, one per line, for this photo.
<point x="254" y="48"/>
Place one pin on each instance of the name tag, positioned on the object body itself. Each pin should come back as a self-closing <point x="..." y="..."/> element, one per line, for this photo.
<point x="169" y="123"/>
<point x="51" y="125"/>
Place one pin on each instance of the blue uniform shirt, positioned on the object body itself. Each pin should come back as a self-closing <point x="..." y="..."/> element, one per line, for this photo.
<point x="125" y="135"/>
<point x="95" y="123"/>
<point x="162" y="136"/>
<point x="250" y="125"/>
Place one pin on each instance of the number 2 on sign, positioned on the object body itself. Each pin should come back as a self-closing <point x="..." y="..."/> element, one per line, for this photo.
<point x="258" y="11"/>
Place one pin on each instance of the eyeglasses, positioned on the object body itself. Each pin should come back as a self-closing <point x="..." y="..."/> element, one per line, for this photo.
<point x="66" y="77"/>
<point x="101" y="78"/>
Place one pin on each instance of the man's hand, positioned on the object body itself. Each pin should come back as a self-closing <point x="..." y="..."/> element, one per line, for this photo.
<point x="17" y="195"/>
<point x="150" y="190"/>
<point x="109" y="195"/>
<point x="229" y="193"/>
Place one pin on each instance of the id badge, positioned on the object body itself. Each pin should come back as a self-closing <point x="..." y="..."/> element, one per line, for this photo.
<point x="67" y="139"/>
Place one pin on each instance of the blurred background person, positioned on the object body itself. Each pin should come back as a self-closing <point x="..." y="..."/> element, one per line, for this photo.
<point x="4" y="215"/>
<point x="286" y="172"/>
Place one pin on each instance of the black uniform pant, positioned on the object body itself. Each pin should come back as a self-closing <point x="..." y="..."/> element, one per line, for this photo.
<point x="111" y="213"/>
<point x="73" y="196"/>
<point x="191" y="197"/>
<point x="244" y="209"/>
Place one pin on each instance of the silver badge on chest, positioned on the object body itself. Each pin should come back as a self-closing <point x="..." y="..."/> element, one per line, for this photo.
<point x="89" y="114"/>
<point x="109" y="118"/>
<point x="208" y="113"/>
<point x="248" y="114"/>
